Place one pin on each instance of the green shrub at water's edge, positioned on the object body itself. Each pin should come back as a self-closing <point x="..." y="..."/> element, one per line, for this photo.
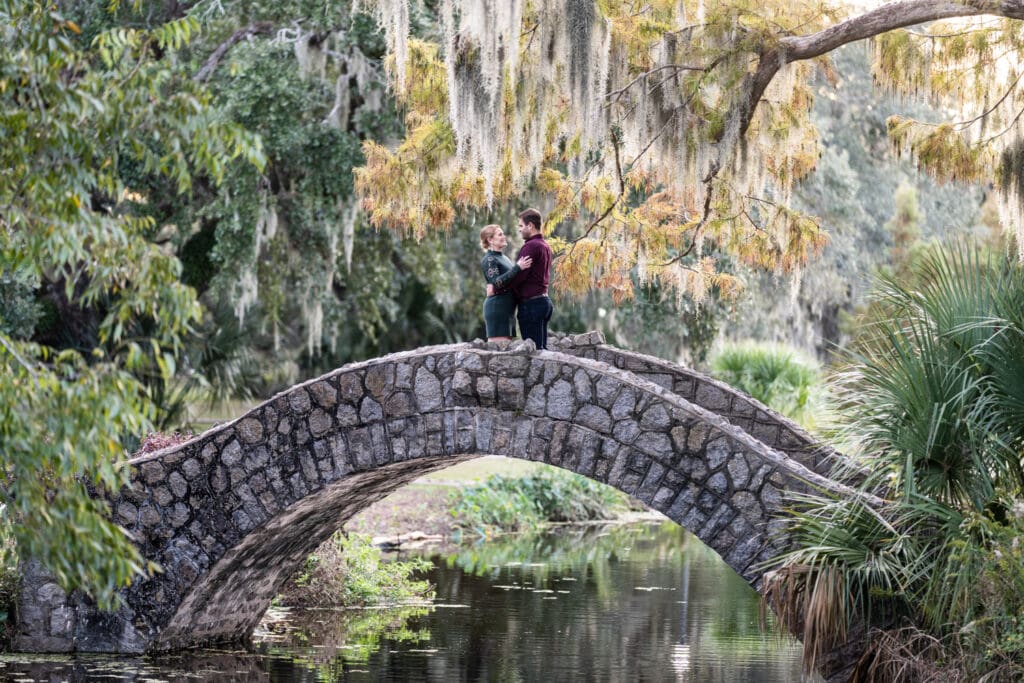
<point x="505" y="503"/>
<point x="349" y="570"/>
<point x="9" y="578"/>
<point x="932" y="407"/>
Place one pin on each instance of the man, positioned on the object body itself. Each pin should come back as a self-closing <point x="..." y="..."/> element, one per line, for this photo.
<point x="530" y="286"/>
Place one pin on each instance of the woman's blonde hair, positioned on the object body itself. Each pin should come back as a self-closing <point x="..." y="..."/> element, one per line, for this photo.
<point x="486" y="234"/>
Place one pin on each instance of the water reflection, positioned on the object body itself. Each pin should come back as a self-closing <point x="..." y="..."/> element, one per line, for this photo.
<point x="626" y="603"/>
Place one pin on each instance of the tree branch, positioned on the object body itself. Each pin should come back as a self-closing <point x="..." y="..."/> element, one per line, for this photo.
<point x="889" y="17"/>
<point x="213" y="61"/>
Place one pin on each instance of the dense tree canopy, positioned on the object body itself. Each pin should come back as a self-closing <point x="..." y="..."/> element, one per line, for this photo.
<point x="669" y="132"/>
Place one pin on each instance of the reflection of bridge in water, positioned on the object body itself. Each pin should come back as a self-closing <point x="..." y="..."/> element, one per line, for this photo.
<point x="231" y="514"/>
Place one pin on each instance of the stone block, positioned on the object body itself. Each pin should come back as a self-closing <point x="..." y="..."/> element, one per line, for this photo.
<point x="232" y="454"/>
<point x="626" y="431"/>
<point x="61" y="622"/>
<point x="192" y="469"/>
<point x="510" y="392"/>
<point x="765" y="433"/>
<point x="594" y="417"/>
<point x="298" y="401"/>
<point x="561" y="404"/>
<point x="718" y="484"/>
<point x="51" y="594"/>
<point x="163" y="496"/>
<point x="711" y="398"/>
<point x="462" y="383"/>
<point x="350" y="387"/>
<point x="325" y="395"/>
<point x="427" y="390"/>
<point x="127" y="513"/>
<point x="536" y="400"/>
<point x="179" y="515"/>
<point x="469" y="361"/>
<point x="717" y="453"/>
<point x="655" y="418"/>
<point x="582" y="385"/>
<point x="739" y="472"/>
<point x="625" y="404"/>
<point x="250" y="430"/>
<point x="606" y="390"/>
<point x="509" y="365"/>
<point x="152" y="472"/>
<point x="380" y="379"/>
<point x="403" y="376"/>
<point x="656" y="444"/>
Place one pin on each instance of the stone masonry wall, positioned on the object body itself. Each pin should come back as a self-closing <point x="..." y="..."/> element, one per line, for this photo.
<point x="761" y="422"/>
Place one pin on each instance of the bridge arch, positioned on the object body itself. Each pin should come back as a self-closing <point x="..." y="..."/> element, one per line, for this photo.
<point x="231" y="514"/>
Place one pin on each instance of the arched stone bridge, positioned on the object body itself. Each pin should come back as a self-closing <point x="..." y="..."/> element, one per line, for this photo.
<point x="231" y="514"/>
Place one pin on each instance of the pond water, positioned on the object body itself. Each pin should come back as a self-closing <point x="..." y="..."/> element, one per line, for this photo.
<point x="640" y="602"/>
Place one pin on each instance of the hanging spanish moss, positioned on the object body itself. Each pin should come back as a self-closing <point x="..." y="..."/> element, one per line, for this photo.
<point x="1011" y="186"/>
<point x="393" y="16"/>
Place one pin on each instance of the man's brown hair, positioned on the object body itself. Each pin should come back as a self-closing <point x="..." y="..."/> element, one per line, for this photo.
<point x="531" y="216"/>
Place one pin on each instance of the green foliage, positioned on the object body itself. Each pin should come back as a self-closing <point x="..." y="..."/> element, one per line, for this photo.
<point x="9" y="576"/>
<point x="992" y="642"/>
<point x="74" y="117"/>
<point x="347" y="636"/>
<point x="931" y="401"/>
<point x="349" y="570"/>
<point x="934" y="393"/>
<point x="504" y="503"/>
<point x="775" y="375"/>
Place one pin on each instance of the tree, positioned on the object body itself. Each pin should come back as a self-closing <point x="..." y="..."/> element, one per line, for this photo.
<point x="75" y="119"/>
<point x="669" y="131"/>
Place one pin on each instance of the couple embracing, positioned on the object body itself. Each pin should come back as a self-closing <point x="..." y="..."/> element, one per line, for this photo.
<point x="522" y="285"/>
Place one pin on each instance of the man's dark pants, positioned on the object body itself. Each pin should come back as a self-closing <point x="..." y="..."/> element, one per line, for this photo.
<point x="534" y="315"/>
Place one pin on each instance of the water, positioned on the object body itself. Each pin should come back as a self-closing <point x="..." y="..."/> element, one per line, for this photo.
<point x="628" y="603"/>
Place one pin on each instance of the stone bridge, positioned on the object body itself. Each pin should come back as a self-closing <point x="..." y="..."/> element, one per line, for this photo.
<point x="233" y="513"/>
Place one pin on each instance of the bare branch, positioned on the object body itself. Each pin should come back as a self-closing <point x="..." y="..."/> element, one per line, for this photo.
<point x="213" y="61"/>
<point x="614" y="202"/>
<point x="617" y="94"/>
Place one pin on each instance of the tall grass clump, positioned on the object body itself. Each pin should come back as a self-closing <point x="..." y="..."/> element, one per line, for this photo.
<point x="776" y="375"/>
<point x="504" y="503"/>
<point x="931" y="402"/>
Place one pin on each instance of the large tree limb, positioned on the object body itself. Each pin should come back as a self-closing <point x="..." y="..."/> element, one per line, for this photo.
<point x="211" y="63"/>
<point x="889" y="17"/>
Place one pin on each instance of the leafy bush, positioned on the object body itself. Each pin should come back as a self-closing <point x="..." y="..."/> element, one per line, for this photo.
<point x="933" y="405"/>
<point x="349" y="570"/>
<point x="505" y="503"/>
<point x="777" y="376"/>
<point x="9" y="577"/>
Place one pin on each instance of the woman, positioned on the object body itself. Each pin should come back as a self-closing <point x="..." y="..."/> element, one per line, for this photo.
<point x="499" y="307"/>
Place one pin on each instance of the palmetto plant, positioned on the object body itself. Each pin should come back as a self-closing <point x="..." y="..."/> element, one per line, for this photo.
<point x="932" y="403"/>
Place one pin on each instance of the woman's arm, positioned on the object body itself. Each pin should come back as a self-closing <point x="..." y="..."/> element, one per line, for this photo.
<point x="493" y="272"/>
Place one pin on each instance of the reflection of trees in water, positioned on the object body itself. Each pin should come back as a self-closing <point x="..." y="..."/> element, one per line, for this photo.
<point x="633" y="602"/>
<point x="611" y="603"/>
<point x="573" y="551"/>
<point x="186" y="667"/>
<point x="330" y="640"/>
